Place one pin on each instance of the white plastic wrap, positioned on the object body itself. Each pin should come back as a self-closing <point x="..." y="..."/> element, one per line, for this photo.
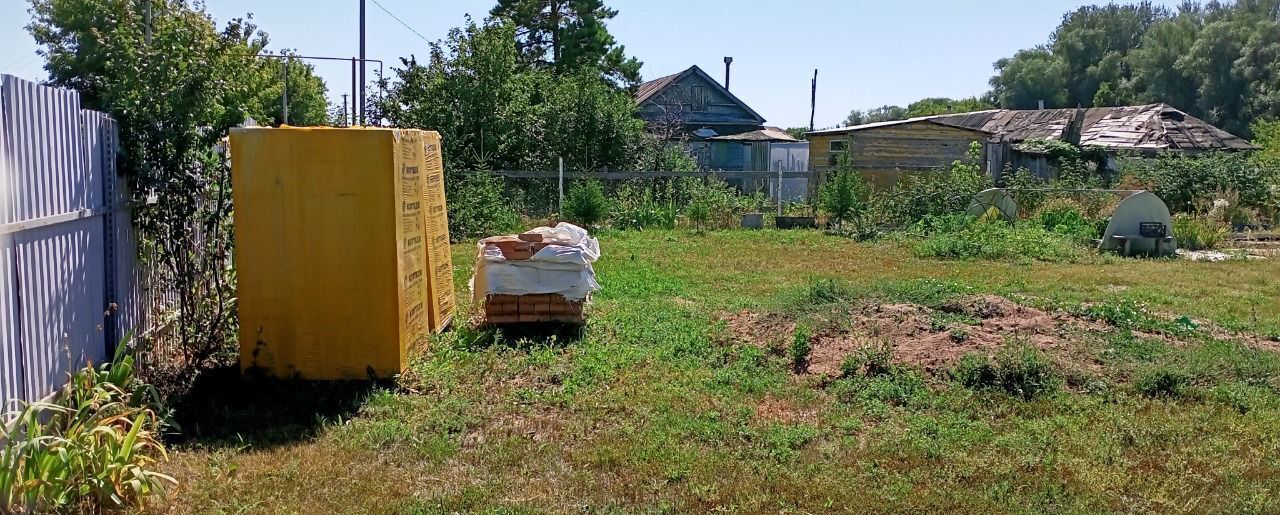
<point x="563" y="267"/>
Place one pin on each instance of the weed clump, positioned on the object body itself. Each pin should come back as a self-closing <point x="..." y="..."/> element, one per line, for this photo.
<point x="1020" y="371"/>
<point x="801" y="347"/>
<point x="1164" y="383"/>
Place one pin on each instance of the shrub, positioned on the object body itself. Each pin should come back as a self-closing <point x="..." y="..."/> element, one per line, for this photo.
<point x="1021" y="371"/>
<point x="843" y="196"/>
<point x="933" y="193"/>
<point x="715" y="203"/>
<point x="91" y="448"/>
<point x="1163" y="383"/>
<point x="800" y="349"/>
<point x="585" y="204"/>
<point x="479" y="207"/>
<point x="1186" y="182"/>
<point x="1199" y="232"/>
<point x="1065" y="217"/>
<point x="963" y="237"/>
<point x="640" y="207"/>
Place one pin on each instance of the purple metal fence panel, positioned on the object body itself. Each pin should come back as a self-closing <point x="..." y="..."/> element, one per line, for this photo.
<point x="12" y="378"/>
<point x="124" y="287"/>
<point x="54" y="263"/>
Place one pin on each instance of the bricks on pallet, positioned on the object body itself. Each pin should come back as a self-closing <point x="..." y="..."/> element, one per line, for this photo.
<point x="532" y="237"/>
<point x="515" y="249"/>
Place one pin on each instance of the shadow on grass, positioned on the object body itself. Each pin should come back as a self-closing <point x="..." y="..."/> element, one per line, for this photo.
<point x="225" y="408"/>
<point x="521" y="336"/>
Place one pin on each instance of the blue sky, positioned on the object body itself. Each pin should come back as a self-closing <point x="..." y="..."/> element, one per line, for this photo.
<point x="868" y="53"/>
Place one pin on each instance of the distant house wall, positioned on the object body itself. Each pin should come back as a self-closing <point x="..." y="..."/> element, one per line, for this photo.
<point x="885" y="154"/>
<point x="693" y="102"/>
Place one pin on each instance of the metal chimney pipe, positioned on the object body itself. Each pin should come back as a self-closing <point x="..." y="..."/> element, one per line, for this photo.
<point x="727" y="61"/>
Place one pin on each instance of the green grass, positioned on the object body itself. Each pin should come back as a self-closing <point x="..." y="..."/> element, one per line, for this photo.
<point x="653" y="409"/>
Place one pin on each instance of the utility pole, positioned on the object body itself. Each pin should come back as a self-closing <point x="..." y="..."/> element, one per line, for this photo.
<point x="813" y="98"/>
<point x="362" y="63"/>
<point x="284" y="97"/>
<point x="345" y="112"/>
<point x="148" y="15"/>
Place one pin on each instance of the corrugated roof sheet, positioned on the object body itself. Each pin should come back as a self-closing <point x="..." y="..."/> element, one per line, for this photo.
<point x="648" y="89"/>
<point x="765" y="134"/>
<point x="1146" y="127"/>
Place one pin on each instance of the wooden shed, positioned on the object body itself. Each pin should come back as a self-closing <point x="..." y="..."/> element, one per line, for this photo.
<point x="886" y="151"/>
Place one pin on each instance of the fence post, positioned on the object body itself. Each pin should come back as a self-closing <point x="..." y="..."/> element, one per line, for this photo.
<point x="560" y="208"/>
<point x="779" y="189"/>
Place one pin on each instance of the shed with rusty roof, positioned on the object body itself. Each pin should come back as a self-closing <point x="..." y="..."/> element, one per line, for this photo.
<point x="886" y="150"/>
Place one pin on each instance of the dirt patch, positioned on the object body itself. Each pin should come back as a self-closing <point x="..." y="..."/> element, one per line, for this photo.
<point x="932" y="339"/>
<point x="768" y="331"/>
<point x="774" y="409"/>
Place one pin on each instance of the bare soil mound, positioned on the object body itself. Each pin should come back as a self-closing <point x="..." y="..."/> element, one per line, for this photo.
<point x="932" y="339"/>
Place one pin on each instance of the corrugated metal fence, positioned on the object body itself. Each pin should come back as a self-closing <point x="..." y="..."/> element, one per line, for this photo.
<point x="69" y="274"/>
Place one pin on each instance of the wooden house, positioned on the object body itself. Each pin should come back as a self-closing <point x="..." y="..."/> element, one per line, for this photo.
<point x="887" y="150"/>
<point x="721" y="130"/>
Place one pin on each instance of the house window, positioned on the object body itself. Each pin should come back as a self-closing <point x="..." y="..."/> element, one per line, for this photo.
<point x="837" y="147"/>
<point x="699" y="98"/>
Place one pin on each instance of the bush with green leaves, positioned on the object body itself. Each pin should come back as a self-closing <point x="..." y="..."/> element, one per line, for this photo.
<point x="1199" y="232"/>
<point x="585" y="203"/>
<point x="713" y="203"/>
<point x="639" y="206"/>
<point x="965" y="237"/>
<point x="1187" y="183"/>
<point x="1018" y="370"/>
<point x="479" y="206"/>
<point x="843" y="197"/>
<point x="92" y="448"/>
<point x="1065" y="217"/>
<point x="942" y="193"/>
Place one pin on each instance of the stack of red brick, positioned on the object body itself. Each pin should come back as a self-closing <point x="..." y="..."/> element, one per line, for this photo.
<point x="513" y="309"/>
<point x="551" y="307"/>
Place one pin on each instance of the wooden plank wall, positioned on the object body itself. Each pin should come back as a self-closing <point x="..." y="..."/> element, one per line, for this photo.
<point x="885" y="154"/>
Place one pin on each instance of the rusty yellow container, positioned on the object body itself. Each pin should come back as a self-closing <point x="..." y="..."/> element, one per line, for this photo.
<point x="331" y="249"/>
<point x="440" y="294"/>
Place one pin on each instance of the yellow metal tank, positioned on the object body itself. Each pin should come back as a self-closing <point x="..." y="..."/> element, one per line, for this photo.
<point x="331" y="249"/>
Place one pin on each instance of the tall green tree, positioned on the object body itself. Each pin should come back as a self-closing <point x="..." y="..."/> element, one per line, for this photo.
<point x="308" y="100"/>
<point x="1093" y="41"/>
<point x="494" y="112"/>
<point x="569" y="36"/>
<point x="175" y="86"/>
<point x="1028" y="77"/>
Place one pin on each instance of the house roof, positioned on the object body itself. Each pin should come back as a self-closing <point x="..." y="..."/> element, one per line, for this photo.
<point x="648" y="90"/>
<point x="765" y="134"/>
<point x="1145" y="127"/>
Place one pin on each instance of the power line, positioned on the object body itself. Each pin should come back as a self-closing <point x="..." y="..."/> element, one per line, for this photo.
<point x="397" y="18"/>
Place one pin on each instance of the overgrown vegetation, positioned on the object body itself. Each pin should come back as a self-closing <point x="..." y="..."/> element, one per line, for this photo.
<point x="585" y="204"/>
<point x="654" y="392"/>
<point x="93" y="447"/>
<point x="966" y="237"/>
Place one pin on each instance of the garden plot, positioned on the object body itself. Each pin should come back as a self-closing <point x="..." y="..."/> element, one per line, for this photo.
<point x="933" y="339"/>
